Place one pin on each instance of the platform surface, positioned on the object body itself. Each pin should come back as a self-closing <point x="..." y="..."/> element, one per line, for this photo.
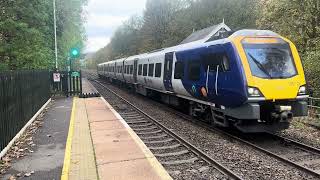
<point x="45" y="156"/>
<point x="103" y="146"/>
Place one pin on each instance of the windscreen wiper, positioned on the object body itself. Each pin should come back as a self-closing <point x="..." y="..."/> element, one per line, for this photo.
<point x="260" y="66"/>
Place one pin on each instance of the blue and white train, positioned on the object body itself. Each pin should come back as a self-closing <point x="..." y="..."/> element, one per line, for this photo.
<point x="252" y="80"/>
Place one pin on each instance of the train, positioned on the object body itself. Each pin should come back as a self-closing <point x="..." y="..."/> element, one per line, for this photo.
<point x="251" y="80"/>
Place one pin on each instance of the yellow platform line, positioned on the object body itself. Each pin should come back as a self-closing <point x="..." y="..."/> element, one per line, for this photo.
<point x="67" y="155"/>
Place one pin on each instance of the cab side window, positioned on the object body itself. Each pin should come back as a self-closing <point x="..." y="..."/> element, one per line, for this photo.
<point x="213" y="60"/>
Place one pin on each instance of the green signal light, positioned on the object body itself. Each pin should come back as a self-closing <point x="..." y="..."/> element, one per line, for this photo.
<point x="74" y="52"/>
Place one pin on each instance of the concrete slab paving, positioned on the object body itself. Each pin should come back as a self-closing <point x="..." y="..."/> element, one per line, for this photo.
<point x="106" y="125"/>
<point x="120" y="154"/>
<point x="137" y="169"/>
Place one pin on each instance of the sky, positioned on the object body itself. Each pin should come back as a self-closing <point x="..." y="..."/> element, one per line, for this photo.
<point x="103" y="18"/>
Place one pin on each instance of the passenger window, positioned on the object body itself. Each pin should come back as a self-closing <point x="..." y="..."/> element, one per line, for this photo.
<point x="194" y="70"/>
<point x="158" y="70"/>
<point x="145" y="69"/>
<point x="179" y="70"/>
<point x="140" y="70"/>
<point x="131" y="69"/>
<point x="151" y="68"/>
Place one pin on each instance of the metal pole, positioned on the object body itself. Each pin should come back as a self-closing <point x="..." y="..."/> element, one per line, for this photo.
<point x="55" y="33"/>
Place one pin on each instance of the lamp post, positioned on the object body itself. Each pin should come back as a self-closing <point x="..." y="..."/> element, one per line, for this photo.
<point x="55" y="34"/>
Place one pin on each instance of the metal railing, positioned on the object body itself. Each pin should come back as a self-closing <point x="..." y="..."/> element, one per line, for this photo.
<point x="22" y="94"/>
<point x="68" y="85"/>
<point x="314" y="106"/>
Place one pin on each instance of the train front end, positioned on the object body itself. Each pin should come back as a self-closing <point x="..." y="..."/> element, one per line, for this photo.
<point x="276" y="86"/>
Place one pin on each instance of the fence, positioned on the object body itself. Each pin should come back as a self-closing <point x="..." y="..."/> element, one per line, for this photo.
<point x="22" y="94"/>
<point x="314" y="107"/>
<point x="69" y="83"/>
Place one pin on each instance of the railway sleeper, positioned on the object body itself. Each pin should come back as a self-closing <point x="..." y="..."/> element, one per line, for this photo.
<point x="160" y="141"/>
<point x="178" y="162"/>
<point x="145" y="129"/>
<point x="137" y="122"/>
<point x="153" y="137"/>
<point x="147" y="133"/>
<point x="164" y="147"/>
<point x="172" y="154"/>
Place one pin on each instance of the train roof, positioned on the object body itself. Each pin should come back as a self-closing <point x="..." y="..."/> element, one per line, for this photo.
<point x="254" y="32"/>
<point x="208" y="40"/>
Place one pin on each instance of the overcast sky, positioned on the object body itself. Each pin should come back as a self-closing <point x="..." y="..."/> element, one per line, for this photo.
<point x="104" y="16"/>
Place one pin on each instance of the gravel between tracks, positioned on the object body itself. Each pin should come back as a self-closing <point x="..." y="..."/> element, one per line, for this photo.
<point x="300" y="131"/>
<point x="247" y="162"/>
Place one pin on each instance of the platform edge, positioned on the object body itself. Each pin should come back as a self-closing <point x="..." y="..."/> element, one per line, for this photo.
<point x="152" y="161"/>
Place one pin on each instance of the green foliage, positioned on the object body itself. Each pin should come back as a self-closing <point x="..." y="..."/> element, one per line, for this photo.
<point x="166" y="23"/>
<point x="297" y="20"/>
<point x="27" y="33"/>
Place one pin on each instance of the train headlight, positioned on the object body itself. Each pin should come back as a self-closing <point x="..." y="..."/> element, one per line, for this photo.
<point x="302" y="90"/>
<point x="252" y="91"/>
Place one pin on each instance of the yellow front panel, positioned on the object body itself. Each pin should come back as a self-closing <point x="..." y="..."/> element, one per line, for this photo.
<point x="273" y="89"/>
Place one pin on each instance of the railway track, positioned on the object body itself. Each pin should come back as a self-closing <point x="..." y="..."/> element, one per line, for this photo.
<point x="291" y="152"/>
<point x="299" y="155"/>
<point x="175" y="153"/>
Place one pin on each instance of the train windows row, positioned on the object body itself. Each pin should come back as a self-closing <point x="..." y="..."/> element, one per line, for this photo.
<point x="143" y="70"/>
<point x="128" y="69"/>
<point x="210" y="62"/>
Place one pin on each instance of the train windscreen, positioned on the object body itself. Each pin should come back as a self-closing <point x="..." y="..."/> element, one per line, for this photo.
<point x="270" y="61"/>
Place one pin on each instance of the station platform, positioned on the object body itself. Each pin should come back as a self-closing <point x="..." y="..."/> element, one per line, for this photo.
<point x="101" y="145"/>
<point x="85" y="139"/>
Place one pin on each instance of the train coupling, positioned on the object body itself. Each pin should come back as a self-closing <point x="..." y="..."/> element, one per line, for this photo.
<point x="282" y="113"/>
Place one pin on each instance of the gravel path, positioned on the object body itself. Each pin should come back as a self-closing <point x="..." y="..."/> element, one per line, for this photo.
<point x="241" y="159"/>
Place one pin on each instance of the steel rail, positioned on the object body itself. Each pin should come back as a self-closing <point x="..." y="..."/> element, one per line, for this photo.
<point x="194" y="149"/>
<point x="215" y="129"/>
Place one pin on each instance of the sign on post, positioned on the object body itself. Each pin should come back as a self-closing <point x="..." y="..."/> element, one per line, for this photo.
<point x="56" y="77"/>
<point x="75" y="74"/>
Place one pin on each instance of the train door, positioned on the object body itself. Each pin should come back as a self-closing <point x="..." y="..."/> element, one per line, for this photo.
<point x="122" y="71"/>
<point x="217" y="75"/>
<point x="135" y="70"/>
<point x="167" y="76"/>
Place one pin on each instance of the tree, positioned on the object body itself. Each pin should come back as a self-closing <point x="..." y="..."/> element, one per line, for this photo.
<point x="156" y="24"/>
<point x="27" y="34"/>
<point x="298" y="20"/>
